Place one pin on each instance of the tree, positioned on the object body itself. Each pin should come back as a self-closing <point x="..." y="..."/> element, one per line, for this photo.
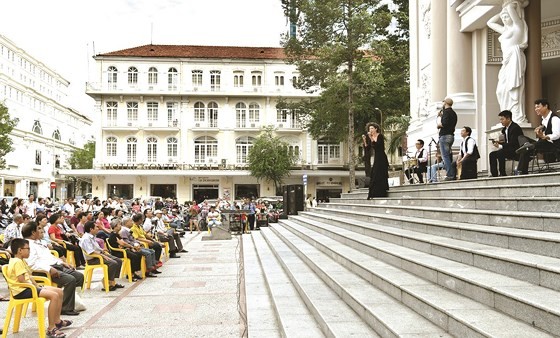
<point x="83" y="158"/>
<point x="270" y="159"/>
<point x="6" y="127"/>
<point x="333" y="52"/>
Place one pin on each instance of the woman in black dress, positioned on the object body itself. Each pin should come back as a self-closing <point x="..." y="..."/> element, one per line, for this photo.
<point x="379" y="176"/>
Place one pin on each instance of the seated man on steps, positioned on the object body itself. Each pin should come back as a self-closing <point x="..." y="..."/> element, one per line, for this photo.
<point x="548" y="134"/>
<point x="468" y="156"/>
<point x="506" y="144"/>
<point x="421" y="155"/>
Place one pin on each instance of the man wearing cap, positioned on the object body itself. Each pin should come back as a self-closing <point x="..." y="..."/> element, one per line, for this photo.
<point x="447" y="120"/>
<point x="168" y="235"/>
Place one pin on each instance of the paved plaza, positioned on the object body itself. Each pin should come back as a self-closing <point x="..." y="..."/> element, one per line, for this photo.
<point x="195" y="296"/>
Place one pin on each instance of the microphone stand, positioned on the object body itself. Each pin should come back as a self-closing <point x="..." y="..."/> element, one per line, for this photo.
<point x="430" y="159"/>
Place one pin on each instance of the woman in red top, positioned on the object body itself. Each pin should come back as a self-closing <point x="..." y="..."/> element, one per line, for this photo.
<point x="57" y="235"/>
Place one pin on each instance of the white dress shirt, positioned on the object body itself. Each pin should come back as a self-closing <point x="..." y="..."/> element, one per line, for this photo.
<point x="40" y="257"/>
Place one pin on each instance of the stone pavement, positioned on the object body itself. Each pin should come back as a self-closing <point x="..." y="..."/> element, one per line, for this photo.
<point x="195" y="296"/>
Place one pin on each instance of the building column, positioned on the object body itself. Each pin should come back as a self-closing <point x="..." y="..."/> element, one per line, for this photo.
<point x="459" y="55"/>
<point x="533" y="73"/>
<point x="439" y="50"/>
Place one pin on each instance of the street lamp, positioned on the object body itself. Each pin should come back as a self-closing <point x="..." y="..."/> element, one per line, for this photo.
<point x="380" y="117"/>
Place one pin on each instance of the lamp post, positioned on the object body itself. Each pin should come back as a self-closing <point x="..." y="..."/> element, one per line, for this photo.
<point x="380" y="117"/>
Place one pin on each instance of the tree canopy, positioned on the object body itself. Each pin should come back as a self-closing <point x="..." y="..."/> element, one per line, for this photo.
<point x="269" y="158"/>
<point x="6" y="126"/>
<point x="83" y="158"/>
<point x="356" y="53"/>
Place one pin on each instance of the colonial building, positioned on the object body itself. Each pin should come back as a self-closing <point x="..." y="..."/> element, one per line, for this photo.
<point x="455" y="54"/>
<point x="178" y="121"/>
<point x="47" y="132"/>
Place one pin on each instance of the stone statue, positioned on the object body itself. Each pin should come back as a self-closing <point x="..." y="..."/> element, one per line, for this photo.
<point x="513" y="40"/>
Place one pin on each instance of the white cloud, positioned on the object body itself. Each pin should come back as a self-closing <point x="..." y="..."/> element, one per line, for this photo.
<point x="61" y="33"/>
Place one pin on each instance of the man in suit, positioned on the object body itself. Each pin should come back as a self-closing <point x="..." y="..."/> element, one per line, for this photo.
<point x="548" y="134"/>
<point x="506" y="145"/>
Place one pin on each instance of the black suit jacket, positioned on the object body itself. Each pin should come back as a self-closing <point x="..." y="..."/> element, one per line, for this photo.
<point x="514" y="131"/>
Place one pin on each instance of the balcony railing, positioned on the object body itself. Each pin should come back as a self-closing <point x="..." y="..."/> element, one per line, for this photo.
<point x="140" y="124"/>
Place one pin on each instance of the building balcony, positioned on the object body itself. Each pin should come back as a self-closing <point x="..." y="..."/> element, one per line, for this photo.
<point x="152" y="125"/>
<point x="97" y="88"/>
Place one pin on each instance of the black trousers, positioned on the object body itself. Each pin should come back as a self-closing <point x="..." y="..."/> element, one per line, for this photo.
<point x="498" y="161"/>
<point x="135" y="258"/>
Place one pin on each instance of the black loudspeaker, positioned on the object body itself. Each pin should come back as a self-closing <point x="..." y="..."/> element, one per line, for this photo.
<point x="293" y="199"/>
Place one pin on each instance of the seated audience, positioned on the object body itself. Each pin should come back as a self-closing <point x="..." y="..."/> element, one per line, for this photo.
<point x="19" y="272"/>
<point x="90" y="246"/>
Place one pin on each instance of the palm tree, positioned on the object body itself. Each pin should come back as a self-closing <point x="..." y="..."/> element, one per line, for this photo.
<point x="397" y="127"/>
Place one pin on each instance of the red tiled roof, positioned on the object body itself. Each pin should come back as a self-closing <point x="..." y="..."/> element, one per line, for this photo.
<point x="205" y="52"/>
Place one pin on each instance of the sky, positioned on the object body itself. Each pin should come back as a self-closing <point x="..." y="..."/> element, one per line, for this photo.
<point x="64" y="34"/>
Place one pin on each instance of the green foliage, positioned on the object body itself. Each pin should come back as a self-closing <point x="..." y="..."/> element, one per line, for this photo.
<point x="356" y="52"/>
<point x="6" y="127"/>
<point x="269" y="158"/>
<point x="83" y="158"/>
<point x="398" y="126"/>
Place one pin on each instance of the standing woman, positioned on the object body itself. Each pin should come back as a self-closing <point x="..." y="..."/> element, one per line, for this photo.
<point x="379" y="177"/>
<point x="368" y="148"/>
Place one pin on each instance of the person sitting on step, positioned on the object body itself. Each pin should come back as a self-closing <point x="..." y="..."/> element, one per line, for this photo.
<point x="468" y="156"/>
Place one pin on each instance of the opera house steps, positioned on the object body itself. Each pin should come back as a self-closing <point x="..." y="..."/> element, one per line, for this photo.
<point x="428" y="261"/>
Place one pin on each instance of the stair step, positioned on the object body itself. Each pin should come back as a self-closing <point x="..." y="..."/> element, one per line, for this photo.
<point x="543" y="204"/>
<point x="512" y="219"/>
<point x="259" y="301"/>
<point x="384" y="314"/>
<point x="293" y="316"/>
<point x="531" y="241"/>
<point x="524" y="301"/>
<point x="535" y="269"/>
<point x="333" y="315"/>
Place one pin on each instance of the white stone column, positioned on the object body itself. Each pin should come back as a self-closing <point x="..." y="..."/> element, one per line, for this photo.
<point x="439" y="49"/>
<point x="459" y="55"/>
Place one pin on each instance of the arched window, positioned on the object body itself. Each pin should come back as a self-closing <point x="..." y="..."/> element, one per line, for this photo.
<point x="199" y="112"/>
<point x="112" y="77"/>
<point x="111" y="146"/>
<point x="172" y="78"/>
<point x="242" y="146"/>
<point x="152" y="149"/>
<point x="37" y="128"/>
<point x="56" y="135"/>
<point x="213" y="115"/>
<point x="131" y="144"/>
<point x="152" y="76"/>
<point x="132" y="75"/>
<point x="254" y="112"/>
<point x="205" y="149"/>
<point x="132" y="113"/>
<point x="172" y="147"/>
<point x="241" y="115"/>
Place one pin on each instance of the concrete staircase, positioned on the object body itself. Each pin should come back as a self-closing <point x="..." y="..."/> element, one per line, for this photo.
<point x="476" y="258"/>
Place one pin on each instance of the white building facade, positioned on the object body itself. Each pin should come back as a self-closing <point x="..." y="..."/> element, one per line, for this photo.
<point x="47" y="131"/>
<point x="454" y="54"/>
<point x="178" y="121"/>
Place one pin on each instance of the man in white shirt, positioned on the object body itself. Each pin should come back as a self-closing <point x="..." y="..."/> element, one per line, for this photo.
<point x="30" y="206"/>
<point x="468" y="155"/>
<point x="168" y="235"/>
<point x="548" y="134"/>
<point x="41" y="259"/>
<point x="13" y="230"/>
<point x="69" y="207"/>
<point x="421" y="156"/>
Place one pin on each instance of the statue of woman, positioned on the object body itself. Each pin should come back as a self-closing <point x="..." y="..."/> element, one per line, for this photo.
<point x="513" y="40"/>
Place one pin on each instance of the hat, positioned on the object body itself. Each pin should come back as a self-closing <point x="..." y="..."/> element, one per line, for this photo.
<point x="158" y="212"/>
<point x="448" y="101"/>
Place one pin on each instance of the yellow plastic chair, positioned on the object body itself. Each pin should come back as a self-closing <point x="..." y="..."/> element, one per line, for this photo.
<point x="20" y="304"/>
<point x="70" y="259"/>
<point x="88" y="271"/>
<point x="126" y="266"/>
